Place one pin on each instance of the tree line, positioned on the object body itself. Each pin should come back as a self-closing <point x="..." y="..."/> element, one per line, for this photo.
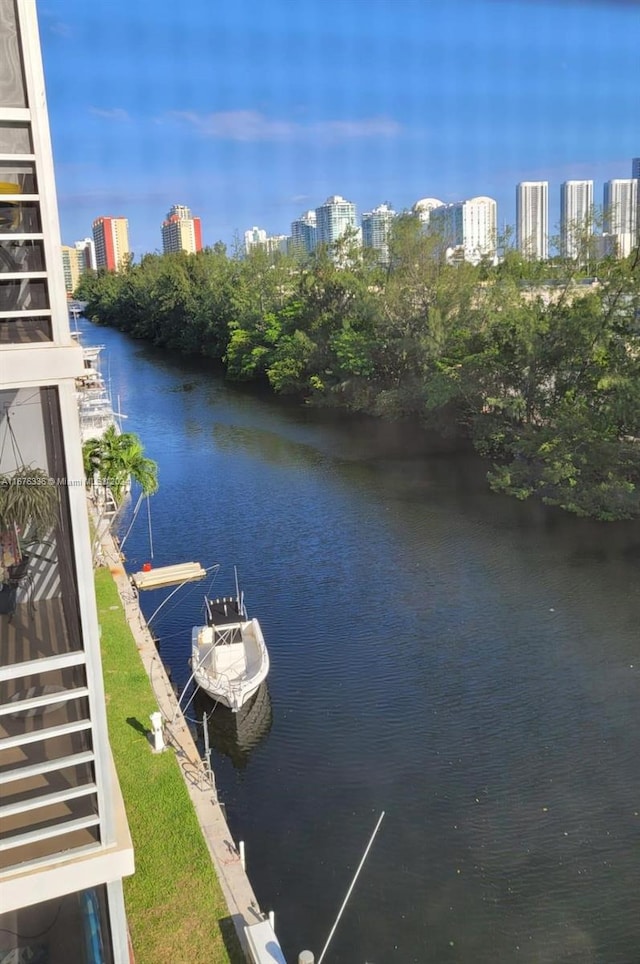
<point x="534" y="362"/>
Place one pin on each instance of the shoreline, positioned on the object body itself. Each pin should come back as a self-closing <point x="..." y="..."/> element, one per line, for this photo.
<point x="225" y="854"/>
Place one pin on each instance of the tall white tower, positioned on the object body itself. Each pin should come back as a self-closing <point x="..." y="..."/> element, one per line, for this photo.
<point x="376" y="227"/>
<point x="532" y="219"/>
<point x="467" y="228"/>
<point x="576" y="216"/>
<point x="635" y="173"/>
<point x="334" y="218"/>
<point x="621" y="212"/>
<point x="254" y="238"/>
<point x="303" y="233"/>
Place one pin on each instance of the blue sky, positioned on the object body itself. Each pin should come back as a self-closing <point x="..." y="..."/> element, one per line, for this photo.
<point x="251" y="111"/>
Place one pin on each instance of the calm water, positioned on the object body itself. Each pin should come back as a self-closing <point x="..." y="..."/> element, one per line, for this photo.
<point x="466" y="663"/>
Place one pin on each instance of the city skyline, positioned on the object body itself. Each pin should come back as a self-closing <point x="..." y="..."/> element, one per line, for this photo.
<point x="471" y="225"/>
<point x="260" y="112"/>
<point x="572" y="205"/>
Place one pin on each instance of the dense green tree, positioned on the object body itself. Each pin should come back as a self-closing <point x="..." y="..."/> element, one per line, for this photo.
<point x="539" y="369"/>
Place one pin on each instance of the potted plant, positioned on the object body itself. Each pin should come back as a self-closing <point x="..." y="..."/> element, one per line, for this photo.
<point x="28" y="513"/>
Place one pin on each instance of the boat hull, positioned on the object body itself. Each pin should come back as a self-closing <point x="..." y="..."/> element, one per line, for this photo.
<point x="229" y="662"/>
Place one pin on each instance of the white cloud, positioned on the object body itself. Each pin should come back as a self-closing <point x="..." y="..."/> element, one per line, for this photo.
<point x="61" y="29"/>
<point x="110" y="113"/>
<point x="249" y="126"/>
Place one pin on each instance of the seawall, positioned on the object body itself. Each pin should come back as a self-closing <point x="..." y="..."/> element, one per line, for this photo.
<point x="200" y="782"/>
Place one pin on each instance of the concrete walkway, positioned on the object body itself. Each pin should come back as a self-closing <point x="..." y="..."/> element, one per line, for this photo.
<point x="239" y="895"/>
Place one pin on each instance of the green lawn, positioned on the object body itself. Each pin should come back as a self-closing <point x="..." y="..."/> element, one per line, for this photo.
<point x="175" y="906"/>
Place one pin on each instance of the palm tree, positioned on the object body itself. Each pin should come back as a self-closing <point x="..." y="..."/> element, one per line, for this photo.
<point x="117" y="457"/>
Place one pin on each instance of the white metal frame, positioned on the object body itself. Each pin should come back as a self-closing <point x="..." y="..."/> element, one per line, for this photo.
<point x="56" y="364"/>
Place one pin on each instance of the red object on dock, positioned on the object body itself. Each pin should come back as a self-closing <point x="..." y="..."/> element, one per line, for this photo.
<point x="146" y="567"/>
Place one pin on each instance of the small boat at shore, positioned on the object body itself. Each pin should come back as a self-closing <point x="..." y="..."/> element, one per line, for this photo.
<point x="229" y="658"/>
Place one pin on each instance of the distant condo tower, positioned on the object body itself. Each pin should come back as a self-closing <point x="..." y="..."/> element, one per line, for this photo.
<point x="334" y="218"/>
<point x="468" y="228"/>
<point x="86" y="254"/>
<point x="621" y="212"/>
<point x="72" y="267"/>
<point x="304" y="233"/>
<point x="111" y="239"/>
<point x="254" y="238"/>
<point x="532" y="219"/>
<point x="424" y="207"/>
<point x="576" y="217"/>
<point x="376" y="227"/>
<point x="635" y="173"/>
<point x="181" y="231"/>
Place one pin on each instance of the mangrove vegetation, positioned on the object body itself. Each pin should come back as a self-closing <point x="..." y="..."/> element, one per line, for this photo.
<point x="537" y="363"/>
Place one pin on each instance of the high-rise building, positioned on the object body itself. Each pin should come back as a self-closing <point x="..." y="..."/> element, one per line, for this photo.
<point x="72" y="268"/>
<point x="334" y="219"/>
<point x="254" y="238"/>
<point x="376" y="228"/>
<point x="277" y="242"/>
<point x="635" y="173"/>
<point x="424" y="207"/>
<point x="65" y="840"/>
<point x="532" y="219"/>
<point x="111" y="239"/>
<point x="181" y="231"/>
<point x="467" y="228"/>
<point x="621" y="212"/>
<point x="576" y="217"/>
<point x="87" y="254"/>
<point x="303" y="233"/>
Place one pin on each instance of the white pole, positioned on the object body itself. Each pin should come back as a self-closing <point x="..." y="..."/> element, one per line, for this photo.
<point x="242" y="857"/>
<point x="353" y="882"/>
<point x="207" y="748"/>
<point x="235" y="569"/>
<point x="150" y="530"/>
<point x="272" y="920"/>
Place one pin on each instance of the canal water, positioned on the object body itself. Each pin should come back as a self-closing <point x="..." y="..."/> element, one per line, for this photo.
<point x="466" y="663"/>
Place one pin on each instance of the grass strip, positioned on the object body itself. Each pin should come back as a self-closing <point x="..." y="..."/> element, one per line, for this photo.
<point x="174" y="903"/>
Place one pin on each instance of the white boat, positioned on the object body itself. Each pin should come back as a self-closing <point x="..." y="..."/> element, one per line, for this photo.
<point x="229" y="659"/>
<point x="94" y="401"/>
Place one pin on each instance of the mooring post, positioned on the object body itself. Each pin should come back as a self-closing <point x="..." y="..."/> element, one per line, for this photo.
<point x="156" y="732"/>
<point x="306" y="957"/>
<point x="242" y="856"/>
<point x="207" y="748"/>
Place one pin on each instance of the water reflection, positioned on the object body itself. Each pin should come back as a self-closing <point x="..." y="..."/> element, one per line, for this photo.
<point x="266" y="446"/>
<point x="235" y="735"/>
<point x="467" y="662"/>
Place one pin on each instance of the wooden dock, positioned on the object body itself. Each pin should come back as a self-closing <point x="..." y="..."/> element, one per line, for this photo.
<point x="237" y="890"/>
